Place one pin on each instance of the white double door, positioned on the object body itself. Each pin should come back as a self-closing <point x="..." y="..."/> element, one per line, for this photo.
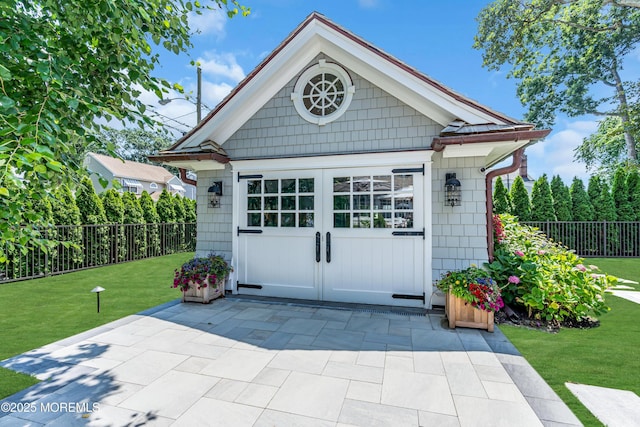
<point x="344" y="234"/>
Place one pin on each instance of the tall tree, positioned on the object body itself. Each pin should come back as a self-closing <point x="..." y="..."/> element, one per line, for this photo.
<point x="520" y="203"/>
<point x="633" y="186"/>
<point x="566" y="55"/>
<point x="96" y="239"/>
<point x="594" y="190"/>
<point x="164" y="207"/>
<point x="89" y="204"/>
<point x="561" y="199"/>
<point x="152" y="228"/>
<point x="541" y="201"/>
<point x="604" y="151"/>
<point x="500" y="197"/>
<point x="113" y="206"/>
<point x="135" y="228"/>
<point x="606" y="206"/>
<point x="581" y="205"/>
<point x="66" y="212"/>
<point x="621" y="196"/>
<point x="66" y="69"/>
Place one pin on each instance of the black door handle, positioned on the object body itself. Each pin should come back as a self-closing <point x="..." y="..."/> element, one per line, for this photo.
<point x="328" y="247"/>
<point x="318" y="246"/>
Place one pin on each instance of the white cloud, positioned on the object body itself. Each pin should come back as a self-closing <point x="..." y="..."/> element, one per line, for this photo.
<point x="210" y="22"/>
<point x="368" y="4"/>
<point x="213" y="93"/>
<point x="222" y="65"/>
<point x="555" y="155"/>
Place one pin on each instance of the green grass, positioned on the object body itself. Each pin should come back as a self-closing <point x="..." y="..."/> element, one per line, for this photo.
<point x="41" y="311"/>
<point x="605" y="356"/>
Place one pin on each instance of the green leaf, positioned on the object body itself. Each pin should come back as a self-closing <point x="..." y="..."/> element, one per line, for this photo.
<point x="4" y="191"/>
<point x="5" y="74"/>
<point x="6" y="102"/>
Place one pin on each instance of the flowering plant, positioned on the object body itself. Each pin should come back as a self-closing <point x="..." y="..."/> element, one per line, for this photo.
<point x="199" y="272"/>
<point x="474" y="286"/>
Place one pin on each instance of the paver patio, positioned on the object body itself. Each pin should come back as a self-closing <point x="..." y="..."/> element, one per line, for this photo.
<point x="240" y="362"/>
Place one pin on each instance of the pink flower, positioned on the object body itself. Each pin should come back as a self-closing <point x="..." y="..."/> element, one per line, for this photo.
<point x="519" y="253"/>
<point x="541" y="252"/>
<point x="514" y="279"/>
<point x="581" y="267"/>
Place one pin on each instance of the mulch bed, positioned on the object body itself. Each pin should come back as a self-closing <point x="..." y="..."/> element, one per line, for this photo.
<point x="515" y="317"/>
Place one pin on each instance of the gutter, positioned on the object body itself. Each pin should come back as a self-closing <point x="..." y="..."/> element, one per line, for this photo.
<point x="515" y="164"/>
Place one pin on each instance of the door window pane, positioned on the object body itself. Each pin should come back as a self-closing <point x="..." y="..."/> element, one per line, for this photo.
<point x="271" y="203"/>
<point x="382" y="220"/>
<point x="254" y="203"/>
<point x="305" y="203"/>
<point x="288" y="220"/>
<point x="361" y="220"/>
<point x="382" y="201"/>
<point x="341" y="203"/>
<point x="305" y="185"/>
<point x="288" y="203"/>
<point x="341" y="185"/>
<point x="305" y="219"/>
<point x="382" y="183"/>
<point x="288" y="185"/>
<point x="271" y="219"/>
<point x="361" y="183"/>
<point x="253" y="219"/>
<point x="341" y="220"/>
<point x="271" y="186"/>
<point x="361" y="202"/>
<point x="254" y="187"/>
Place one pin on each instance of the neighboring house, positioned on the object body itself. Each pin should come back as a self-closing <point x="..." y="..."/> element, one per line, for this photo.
<point x="333" y="157"/>
<point x="133" y="176"/>
<point x="523" y="172"/>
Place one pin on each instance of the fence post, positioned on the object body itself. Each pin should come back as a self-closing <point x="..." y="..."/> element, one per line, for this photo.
<point x="604" y="223"/>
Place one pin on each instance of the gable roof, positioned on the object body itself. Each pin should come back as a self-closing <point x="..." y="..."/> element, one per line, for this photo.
<point x="133" y="170"/>
<point x="315" y="35"/>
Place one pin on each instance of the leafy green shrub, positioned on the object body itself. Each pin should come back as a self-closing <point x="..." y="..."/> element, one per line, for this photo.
<point x="134" y="226"/>
<point x="543" y="278"/>
<point x="152" y="228"/>
<point x="520" y="203"/>
<point x="501" y="202"/>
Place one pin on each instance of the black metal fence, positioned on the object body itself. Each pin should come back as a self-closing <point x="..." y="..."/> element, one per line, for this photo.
<point x="595" y="238"/>
<point x="86" y="246"/>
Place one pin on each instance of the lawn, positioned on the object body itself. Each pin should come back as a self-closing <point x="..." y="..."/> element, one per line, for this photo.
<point x="40" y="311"/>
<point x="606" y="356"/>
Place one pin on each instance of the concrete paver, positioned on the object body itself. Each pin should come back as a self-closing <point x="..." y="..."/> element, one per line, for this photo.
<point x="242" y="362"/>
<point x="614" y="408"/>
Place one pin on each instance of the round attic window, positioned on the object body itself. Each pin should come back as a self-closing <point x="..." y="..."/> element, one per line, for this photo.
<point x="322" y="93"/>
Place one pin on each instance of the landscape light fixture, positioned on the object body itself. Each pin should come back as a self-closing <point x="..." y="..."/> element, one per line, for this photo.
<point x="97" y="291"/>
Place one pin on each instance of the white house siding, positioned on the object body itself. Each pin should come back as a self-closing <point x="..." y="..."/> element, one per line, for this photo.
<point x="459" y="232"/>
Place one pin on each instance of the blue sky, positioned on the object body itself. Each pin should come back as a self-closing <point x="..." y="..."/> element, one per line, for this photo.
<point x="436" y="37"/>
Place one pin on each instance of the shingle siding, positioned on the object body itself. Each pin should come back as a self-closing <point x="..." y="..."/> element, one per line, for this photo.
<point x="214" y="224"/>
<point x="375" y="121"/>
<point x="459" y="233"/>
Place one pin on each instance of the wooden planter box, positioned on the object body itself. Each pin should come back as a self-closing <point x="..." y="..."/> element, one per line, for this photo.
<point x="204" y="295"/>
<point x="462" y="314"/>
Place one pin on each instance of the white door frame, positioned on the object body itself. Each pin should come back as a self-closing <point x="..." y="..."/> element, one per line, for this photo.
<point x="423" y="157"/>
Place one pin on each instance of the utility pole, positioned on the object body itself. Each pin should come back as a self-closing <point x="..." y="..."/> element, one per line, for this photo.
<point x="199" y="96"/>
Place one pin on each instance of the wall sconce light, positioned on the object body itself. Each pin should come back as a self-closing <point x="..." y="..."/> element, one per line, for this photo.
<point x="452" y="190"/>
<point x="215" y="192"/>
